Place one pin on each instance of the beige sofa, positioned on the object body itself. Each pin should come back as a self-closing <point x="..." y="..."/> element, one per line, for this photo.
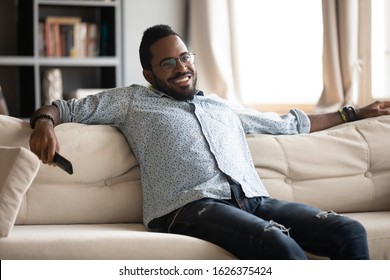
<point x="96" y="213"/>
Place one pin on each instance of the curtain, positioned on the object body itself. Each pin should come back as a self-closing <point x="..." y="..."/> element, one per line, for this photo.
<point x="346" y="59"/>
<point x="346" y="51"/>
<point x="212" y="40"/>
<point x="365" y="92"/>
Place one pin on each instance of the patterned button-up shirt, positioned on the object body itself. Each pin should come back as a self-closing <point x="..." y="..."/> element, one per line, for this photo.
<point x="186" y="149"/>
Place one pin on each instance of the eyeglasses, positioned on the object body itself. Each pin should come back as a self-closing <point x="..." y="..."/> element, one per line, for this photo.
<point x="170" y="64"/>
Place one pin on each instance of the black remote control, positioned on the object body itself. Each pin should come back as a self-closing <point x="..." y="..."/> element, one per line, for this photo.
<point x="63" y="163"/>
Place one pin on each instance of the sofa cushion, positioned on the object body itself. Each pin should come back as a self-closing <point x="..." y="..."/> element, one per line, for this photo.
<point x="377" y="225"/>
<point x="104" y="188"/>
<point x="345" y="169"/>
<point x="18" y="169"/>
<point x="104" y="242"/>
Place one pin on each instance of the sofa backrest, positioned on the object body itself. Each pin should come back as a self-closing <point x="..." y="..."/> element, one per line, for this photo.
<point x="105" y="185"/>
<point x="345" y="169"/>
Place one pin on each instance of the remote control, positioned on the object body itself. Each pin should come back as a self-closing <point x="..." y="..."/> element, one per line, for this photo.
<point x="63" y="163"/>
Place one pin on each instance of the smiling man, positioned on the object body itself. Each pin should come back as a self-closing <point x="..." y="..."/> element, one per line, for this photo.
<point x="197" y="174"/>
<point x="171" y="67"/>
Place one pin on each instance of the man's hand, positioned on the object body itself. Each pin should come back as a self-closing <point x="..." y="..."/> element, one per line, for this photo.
<point x="378" y="108"/>
<point x="43" y="140"/>
<point x="324" y="121"/>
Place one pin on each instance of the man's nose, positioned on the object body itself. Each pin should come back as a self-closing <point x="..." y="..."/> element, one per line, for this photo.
<point x="180" y="65"/>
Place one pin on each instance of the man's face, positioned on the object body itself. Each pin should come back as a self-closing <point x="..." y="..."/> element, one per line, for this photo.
<point x="178" y="82"/>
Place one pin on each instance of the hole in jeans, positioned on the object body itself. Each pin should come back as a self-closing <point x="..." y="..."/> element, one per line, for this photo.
<point x="325" y="214"/>
<point x="274" y="225"/>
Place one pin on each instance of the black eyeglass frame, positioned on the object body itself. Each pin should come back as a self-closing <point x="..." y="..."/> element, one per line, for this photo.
<point x="169" y="64"/>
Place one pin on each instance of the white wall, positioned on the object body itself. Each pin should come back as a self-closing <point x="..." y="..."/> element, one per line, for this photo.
<point x="137" y="16"/>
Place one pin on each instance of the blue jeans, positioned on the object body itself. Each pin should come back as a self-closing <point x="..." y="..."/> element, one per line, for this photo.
<point x="267" y="228"/>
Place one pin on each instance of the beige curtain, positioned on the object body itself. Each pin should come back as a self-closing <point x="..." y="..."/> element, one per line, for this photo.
<point x="211" y="39"/>
<point x="346" y="59"/>
<point x="346" y="54"/>
<point x="365" y="92"/>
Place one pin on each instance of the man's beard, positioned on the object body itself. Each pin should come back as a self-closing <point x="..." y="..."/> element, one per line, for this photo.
<point x="187" y="95"/>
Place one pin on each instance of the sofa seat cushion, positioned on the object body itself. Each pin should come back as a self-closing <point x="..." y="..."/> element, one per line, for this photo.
<point x="377" y="225"/>
<point x="133" y="241"/>
<point x="103" y="241"/>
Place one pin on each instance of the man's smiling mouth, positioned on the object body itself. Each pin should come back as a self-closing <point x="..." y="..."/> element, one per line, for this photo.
<point x="182" y="80"/>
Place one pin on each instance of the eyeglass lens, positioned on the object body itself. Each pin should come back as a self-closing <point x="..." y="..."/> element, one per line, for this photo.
<point x="186" y="59"/>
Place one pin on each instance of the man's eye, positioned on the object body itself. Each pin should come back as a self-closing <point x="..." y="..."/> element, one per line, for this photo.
<point x="185" y="58"/>
<point x="168" y="63"/>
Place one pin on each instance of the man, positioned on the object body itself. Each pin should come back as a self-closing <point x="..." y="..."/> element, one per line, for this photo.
<point x="197" y="173"/>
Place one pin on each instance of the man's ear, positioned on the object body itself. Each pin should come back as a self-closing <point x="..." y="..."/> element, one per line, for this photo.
<point x="148" y="76"/>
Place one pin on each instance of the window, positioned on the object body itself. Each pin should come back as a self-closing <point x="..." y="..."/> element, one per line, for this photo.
<point x="380" y="49"/>
<point x="279" y="48"/>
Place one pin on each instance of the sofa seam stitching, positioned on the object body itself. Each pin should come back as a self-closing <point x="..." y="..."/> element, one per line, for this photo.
<point x="288" y="171"/>
<point x="368" y="154"/>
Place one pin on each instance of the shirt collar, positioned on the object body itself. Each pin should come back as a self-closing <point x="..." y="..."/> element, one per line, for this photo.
<point x="162" y="94"/>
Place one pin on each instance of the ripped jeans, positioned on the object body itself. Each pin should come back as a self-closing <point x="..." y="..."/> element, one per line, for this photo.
<point x="267" y="228"/>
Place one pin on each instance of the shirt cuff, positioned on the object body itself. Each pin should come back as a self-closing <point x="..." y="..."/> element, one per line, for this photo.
<point x="64" y="110"/>
<point x="303" y="121"/>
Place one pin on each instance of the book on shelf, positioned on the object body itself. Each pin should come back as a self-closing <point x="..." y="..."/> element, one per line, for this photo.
<point x="68" y="37"/>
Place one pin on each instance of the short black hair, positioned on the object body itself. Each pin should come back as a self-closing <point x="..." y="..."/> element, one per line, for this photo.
<point x="151" y="35"/>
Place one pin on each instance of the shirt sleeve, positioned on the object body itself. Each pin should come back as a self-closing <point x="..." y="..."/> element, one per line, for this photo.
<point x="106" y="107"/>
<point x="294" y="122"/>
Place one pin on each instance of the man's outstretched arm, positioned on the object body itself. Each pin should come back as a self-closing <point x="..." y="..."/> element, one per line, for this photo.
<point x="324" y="121"/>
<point x="43" y="140"/>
